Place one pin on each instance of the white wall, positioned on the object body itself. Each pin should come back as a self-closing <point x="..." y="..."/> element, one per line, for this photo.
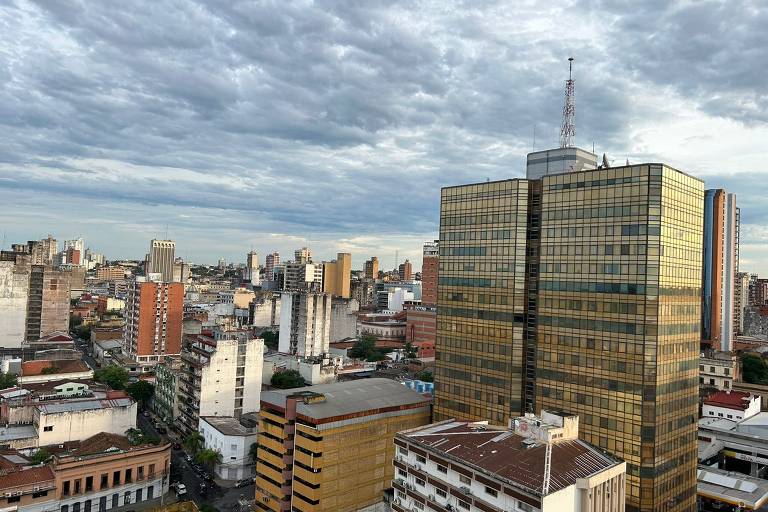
<point x="217" y="384"/>
<point x="80" y="425"/>
<point x="284" y="340"/>
<point x="236" y="463"/>
<point x="344" y="320"/>
<point x="254" y="367"/>
<point x="14" y="291"/>
<point x="712" y="411"/>
<point x="56" y="376"/>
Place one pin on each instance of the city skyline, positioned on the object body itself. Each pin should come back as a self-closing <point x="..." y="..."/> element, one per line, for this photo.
<point x="245" y="150"/>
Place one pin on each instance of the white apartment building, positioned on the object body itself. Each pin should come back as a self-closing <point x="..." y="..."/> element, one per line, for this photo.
<point x="233" y="439"/>
<point x="537" y="465"/>
<point x="75" y="420"/>
<point x="251" y="273"/>
<point x="719" y="370"/>
<point x="161" y="259"/>
<point x="731" y="405"/>
<point x="305" y="324"/>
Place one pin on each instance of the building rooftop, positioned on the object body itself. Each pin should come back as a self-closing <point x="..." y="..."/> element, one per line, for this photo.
<point x="110" y="344"/>
<point x="502" y="454"/>
<point x="36" y="367"/>
<point x="737" y="400"/>
<point x="15" y="432"/>
<point x="734" y="488"/>
<point x="228" y="425"/>
<point x="347" y="398"/>
<point x="27" y="478"/>
<point x="82" y="405"/>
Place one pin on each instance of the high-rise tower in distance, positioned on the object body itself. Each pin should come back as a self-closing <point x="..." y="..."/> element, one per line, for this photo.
<point x="161" y="259"/>
<point x="270" y="263"/>
<point x="429" y="266"/>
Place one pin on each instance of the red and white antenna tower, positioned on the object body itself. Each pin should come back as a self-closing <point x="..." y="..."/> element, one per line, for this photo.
<point x="568" y="129"/>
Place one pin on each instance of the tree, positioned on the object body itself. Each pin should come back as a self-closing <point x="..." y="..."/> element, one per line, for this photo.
<point x="364" y="347"/>
<point x="425" y="376"/>
<point x="40" y="456"/>
<point x="409" y="350"/>
<point x="113" y="376"/>
<point x="287" y="379"/>
<point x="50" y="370"/>
<point x="270" y="339"/>
<point x="194" y="442"/>
<point x="209" y="458"/>
<point x="136" y="437"/>
<point x="252" y="452"/>
<point x="8" y="380"/>
<point x="754" y="369"/>
<point x="141" y="391"/>
<point x="207" y="507"/>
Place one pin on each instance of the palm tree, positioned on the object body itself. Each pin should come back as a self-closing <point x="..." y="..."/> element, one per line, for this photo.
<point x="194" y="443"/>
<point x="252" y="452"/>
<point x="208" y="457"/>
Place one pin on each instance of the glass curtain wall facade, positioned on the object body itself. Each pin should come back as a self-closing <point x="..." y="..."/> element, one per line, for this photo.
<point x="481" y="301"/>
<point x="619" y="320"/>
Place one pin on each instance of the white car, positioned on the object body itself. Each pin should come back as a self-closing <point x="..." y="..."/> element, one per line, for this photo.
<point x="181" y="490"/>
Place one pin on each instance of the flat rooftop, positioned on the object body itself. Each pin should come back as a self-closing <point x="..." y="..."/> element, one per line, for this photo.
<point x="349" y="397"/>
<point x="15" y="432"/>
<point x="734" y="488"/>
<point x="228" y="425"/>
<point x="501" y="454"/>
<point x="82" y="405"/>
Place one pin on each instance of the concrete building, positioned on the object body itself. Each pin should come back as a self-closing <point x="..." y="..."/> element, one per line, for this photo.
<point x="43" y="370"/>
<point x="76" y="420"/>
<point x="732" y="445"/>
<point x="180" y="271"/>
<point x="558" y="161"/>
<point x="384" y="327"/>
<point x="397" y="297"/>
<point x="272" y="261"/>
<point x="302" y="256"/>
<point x="371" y="269"/>
<point x="363" y="290"/>
<point x="165" y="401"/>
<point x="305" y="324"/>
<point x="719" y="269"/>
<point x="161" y="259"/>
<point x="337" y="275"/>
<point x="110" y="273"/>
<point x="758" y="291"/>
<point x="264" y="310"/>
<point x="117" y="474"/>
<point x="732" y="405"/>
<point x="329" y="448"/>
<point x="252" y="269"/>
<point x="553" y="297"/>
<point x="219" y="377"/>
<point x="405" y="270"/>
<point x="460" y="465"/>
<point x="232" y="438"/>
<point x="303" y="277"/>
<point x="14" y="296"/>
<point x="725" y="490"/>
<point x="343" y="319"/>
<point x="740" y="300"/>
<point x="48" y="303"/>
<point x="153" y="320"/>
<point x="240" y="297"/>
<point x="429" y="269"/>
<point x="720" y="370"/>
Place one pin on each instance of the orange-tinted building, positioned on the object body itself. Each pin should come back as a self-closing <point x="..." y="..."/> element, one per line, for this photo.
<point x="73" y="256"/>
<point x="406" y="271"/>
<point x="153" y="320"/>
<point x="429" y="274"/>
<point x="111" y="273"/>
<point x="420" y="329"/>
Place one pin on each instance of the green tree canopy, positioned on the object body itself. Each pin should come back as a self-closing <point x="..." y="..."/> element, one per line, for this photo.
<point x="141" y="391"/>
<point x="137" y="437"/>
<point x="270" y="339"/>
<point x="113" y="376"/>
<point x="194" y="442"/>
<point x="40" y="456"/>
<point x="409" y="350"/>
<point x="754" y="369"/>
<point x="8" y="380"/>
<point x="288" y="379"/>
<point x="425" y="376"/>
<point x="209" y="458"/>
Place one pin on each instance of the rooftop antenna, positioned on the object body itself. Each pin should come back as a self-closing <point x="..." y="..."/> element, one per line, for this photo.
<point x="533" y="150"/>
<point x="568" y="130"/>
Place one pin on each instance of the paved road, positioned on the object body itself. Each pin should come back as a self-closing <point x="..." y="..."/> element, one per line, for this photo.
<point x="85" y="347"/>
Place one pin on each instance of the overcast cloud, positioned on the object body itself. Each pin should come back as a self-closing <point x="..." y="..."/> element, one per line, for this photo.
<point x="239" y="125"/>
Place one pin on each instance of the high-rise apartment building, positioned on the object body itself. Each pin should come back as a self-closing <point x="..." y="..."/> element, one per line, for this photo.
<point x="270" y="263"/>
<point x="602" y="318"/>
<point x="740" y="300"/>
<point x="337" y="275"/>
<point x="405" y="270"/>
<point x="48" y="304"/>
<point x="252" y="269"/>
<point x="371" y="270"/>
<point x="161" y="259"/>
<point x="153" y="320"/>
<point x="329" y="448"/>
<point x="429" y="268"/>
<point x="720" y="266"/>
<point x="758" y="291"/>
<point x="305" y="324"/>
<point x="303" y="255"/>
<point x="302" y="277"/>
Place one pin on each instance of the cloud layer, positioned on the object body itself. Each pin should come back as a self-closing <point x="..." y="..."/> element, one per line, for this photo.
<point x="264" y="124"/>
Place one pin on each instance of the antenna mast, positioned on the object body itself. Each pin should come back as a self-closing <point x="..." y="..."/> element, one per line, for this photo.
<point x="568" y="130"/>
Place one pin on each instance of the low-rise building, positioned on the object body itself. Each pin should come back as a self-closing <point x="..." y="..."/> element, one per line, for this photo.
<point x="106" y="350"/>
<point x="719" y="370"/>
<point x="725" y="490"/>
<point x="421" y="328"/>
<point x="75" y="420"/>
<point x="232" y="438"/>
<point x="731" y="445"/>
<point x="732" y="405"/>
<point x="538" y="465"/>
<point x="44" y="370"/>
<point x="329" y="447"/>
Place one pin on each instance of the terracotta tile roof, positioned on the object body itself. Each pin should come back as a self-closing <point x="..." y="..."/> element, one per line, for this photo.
<point x="26" y="478"/>
<point x="500" y="452"/>
<point x="737" y="400"/>
<point x="100" y="443"/>
<point x="36" y="367"/>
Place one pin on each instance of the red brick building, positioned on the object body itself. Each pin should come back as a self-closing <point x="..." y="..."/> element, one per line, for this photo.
<point x="420" y="328"/>
<point x="429" y="274"/>
<point x="154" y="313"/>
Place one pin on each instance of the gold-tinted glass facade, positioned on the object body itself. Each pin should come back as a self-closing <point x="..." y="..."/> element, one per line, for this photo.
<point x="481" y="302"/>
<point x="618" y="320"/>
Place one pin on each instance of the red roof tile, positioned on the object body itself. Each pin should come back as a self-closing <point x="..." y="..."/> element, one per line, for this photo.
<point x="738" y="400"/>
<point x="26" y="478"/>
<point x="36" y="367"/>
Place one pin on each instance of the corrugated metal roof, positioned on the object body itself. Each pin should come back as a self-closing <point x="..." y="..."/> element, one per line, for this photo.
<point x="82" y="405"/>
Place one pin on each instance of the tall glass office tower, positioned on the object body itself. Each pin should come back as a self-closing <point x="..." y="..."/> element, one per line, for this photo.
<point x="606" y="315"/>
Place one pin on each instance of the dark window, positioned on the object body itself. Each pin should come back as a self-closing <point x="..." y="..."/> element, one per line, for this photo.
<point x="128" y="475"/>
<point x="138" y="495"/>
<point x="115" y="498"/>
<point x="39" y="494"/>
<point x="150" y="492"/>
<point x="140" y="473"/>
<point x="48" y="429"/>
<point x="65" y="508"/>
<point x="115" y="478"/>
<point x="88" y="483"/>
<point x="76" y="507"/>
<point x="87" y="507"/>
<point x="14" y="499"/>
<point x="65" y="491"/>
<point x="151" y="470"/>
<point x="104" y="481"/>
<point x="77" y="486"/>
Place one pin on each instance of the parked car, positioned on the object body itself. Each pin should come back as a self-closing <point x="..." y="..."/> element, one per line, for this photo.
<point x="181" y="490"/>
<point x="244" y="483"/>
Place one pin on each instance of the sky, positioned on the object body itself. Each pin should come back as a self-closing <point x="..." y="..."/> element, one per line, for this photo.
<point x="268" y="125"/>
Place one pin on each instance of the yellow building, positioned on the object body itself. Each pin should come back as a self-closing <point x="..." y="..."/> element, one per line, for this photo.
<point x="337" y="274"/>
<point x="330" y="447"/>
